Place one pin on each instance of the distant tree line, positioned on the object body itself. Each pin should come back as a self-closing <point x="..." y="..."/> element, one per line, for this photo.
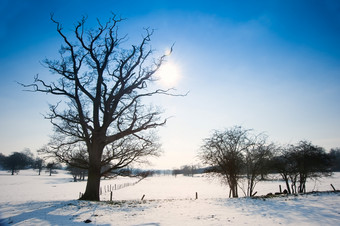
<point x="188" y="170"/>
<point x="242" y="158"/>
<point x="25" y="160"/>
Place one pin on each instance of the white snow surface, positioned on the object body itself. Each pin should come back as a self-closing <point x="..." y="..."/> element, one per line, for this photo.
<point x="29" y="199"/>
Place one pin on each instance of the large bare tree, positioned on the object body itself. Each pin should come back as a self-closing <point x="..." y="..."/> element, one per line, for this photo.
<point x="100" y="123"/>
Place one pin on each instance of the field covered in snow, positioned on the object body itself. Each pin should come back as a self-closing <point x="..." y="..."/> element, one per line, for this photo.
<point x="29" y="199"/>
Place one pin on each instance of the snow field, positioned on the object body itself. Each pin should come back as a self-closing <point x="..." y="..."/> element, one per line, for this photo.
<point x="29" y="199"/>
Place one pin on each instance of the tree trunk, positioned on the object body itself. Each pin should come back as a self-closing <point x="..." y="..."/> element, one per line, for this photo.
<point x="93" y="184"/>
<point x="233" y="187"/>
<point x="94" y="174"/>
<point x="285" y="178"/>
<point x="251" y="186"/>
<point x="235" y="193"/>
<point x="287" y="185"/>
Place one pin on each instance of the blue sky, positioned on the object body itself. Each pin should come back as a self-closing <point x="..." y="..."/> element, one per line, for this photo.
<point x="272" y="66"/>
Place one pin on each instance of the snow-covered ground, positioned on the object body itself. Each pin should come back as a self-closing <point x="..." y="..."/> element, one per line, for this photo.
<point x="29" y="199"/>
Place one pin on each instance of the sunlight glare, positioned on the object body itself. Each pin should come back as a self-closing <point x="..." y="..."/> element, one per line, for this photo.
<point x="168" y="74"/>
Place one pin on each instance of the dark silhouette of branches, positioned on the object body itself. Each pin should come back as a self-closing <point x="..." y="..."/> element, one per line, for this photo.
<point x="237" y="153"/>
<point x="103" y="125"/>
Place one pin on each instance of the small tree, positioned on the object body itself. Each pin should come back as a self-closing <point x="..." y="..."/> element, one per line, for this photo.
<point x="175" y="172"/>
<point x="223" y="152"/>
<point x="16" y="162"/>
<point x="311" y="162"/>
<point x="187" y="170"/>
<point x="51" y="166"/>
<point x="38" y="164"/>
<point x="77" y="173"/>
<point x="300" y="162"/>
<point x="257" y="157"/>
<point x="281" y="164"/>
<point x="334" y="155"/>
<point x="237" y="153"/>
<point x="2" y="160"/>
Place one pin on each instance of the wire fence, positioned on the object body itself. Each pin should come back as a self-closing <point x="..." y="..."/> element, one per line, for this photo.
<point x="113" y="187"/>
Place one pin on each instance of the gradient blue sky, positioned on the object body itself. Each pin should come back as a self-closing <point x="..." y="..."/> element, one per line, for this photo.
<point x="273" y="66"/>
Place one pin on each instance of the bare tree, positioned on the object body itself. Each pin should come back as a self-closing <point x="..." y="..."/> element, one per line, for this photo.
<point x="311" y="162"/>
<point x="17" y="161"/>
<point x="2" y="160"/>
<point x="38" y="164"/>
<point x="51" y="166"/>
<point x="102" y="124"/>
<point x="334" y="155"/>
<point x="297" y="163"/>
<point x="256" y="160"/>
<point x="238" y="155"/>
<point x="284" y="166"/>
<point x="186" y="170"/>
<point x="77" y="173"/>
<point x="223" y="151"/>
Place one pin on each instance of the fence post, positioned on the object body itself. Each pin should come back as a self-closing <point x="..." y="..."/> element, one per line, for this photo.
<point x="280" y="188"/>
<point x="111" y="197"/>
<point x="143" y="197"/>
<point x="333" y="187"/>
<point x="196" y="195"/>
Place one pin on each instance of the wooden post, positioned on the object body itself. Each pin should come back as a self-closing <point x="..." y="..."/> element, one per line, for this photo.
<point x="280" y="188"/>
<point x="143" y="197"/>
<point x="230" y="193"/>
<point x="333" y="187"/>
<point x="196" y="195"/>
<point x="111" y="197"/>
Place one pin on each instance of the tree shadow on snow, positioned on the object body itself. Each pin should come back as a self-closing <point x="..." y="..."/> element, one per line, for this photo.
<point x="291" y="209"/>
<point x="47" y="213"/>
<point x="58" y="180"/>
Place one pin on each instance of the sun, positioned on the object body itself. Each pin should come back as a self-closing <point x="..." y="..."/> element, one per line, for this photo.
<point x="168" y="74"/>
